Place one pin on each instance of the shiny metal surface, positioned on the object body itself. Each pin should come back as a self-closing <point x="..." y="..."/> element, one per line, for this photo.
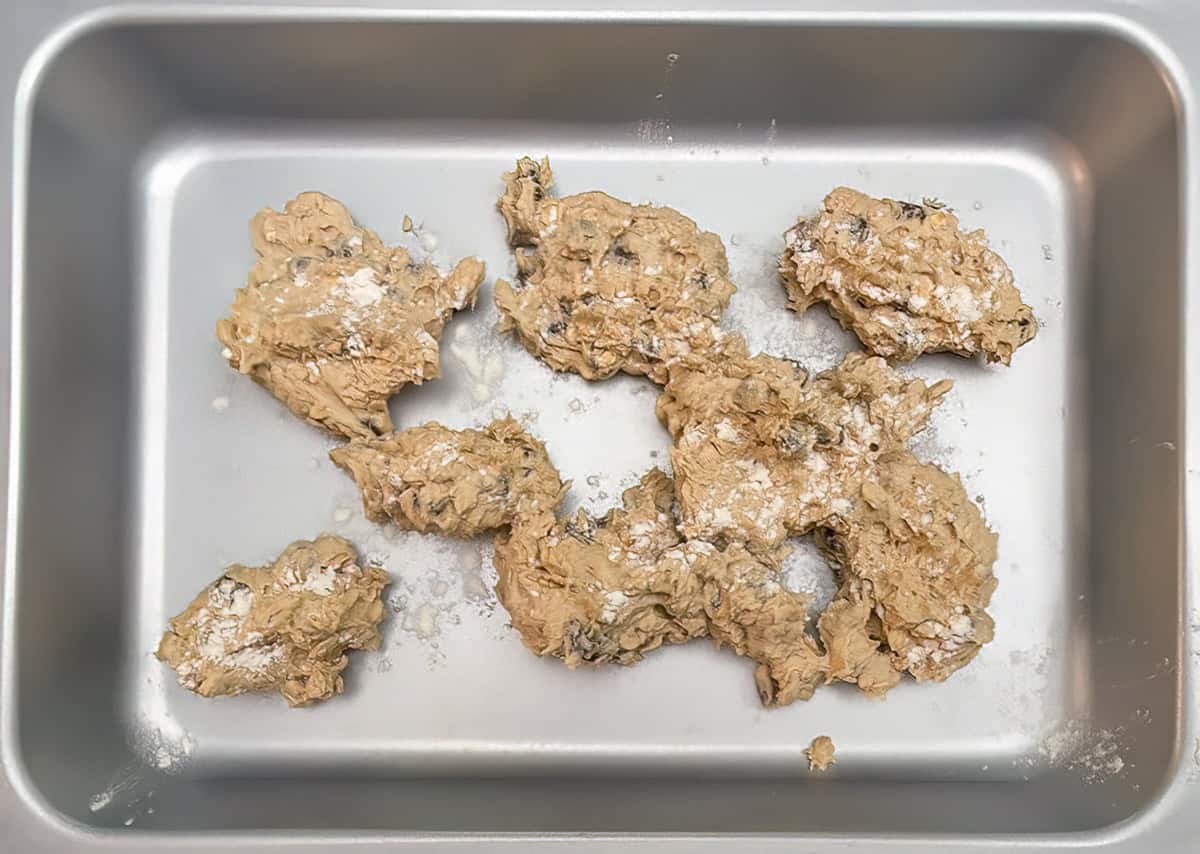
<point x="143" y="141"/>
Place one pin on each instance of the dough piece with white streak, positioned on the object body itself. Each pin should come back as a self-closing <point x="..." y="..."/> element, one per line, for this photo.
<point x="917" y="552"/>
<point x="283" y="627"/>
<point x="750" y="610"/>
<point x="455" y="482"/>
<point x="761" y="452"/>
<point x="591" y="591"/>
<point x="333" y="322"/>
<point x="605" y="286"/>
<point x="905" y="279"/>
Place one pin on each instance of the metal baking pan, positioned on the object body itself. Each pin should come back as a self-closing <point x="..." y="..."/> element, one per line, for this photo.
<point x="143" y="139"/>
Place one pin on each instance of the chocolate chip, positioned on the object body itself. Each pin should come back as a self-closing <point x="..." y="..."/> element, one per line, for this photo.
<point x="584" y="533"/>
<point x="621" y="254"/>
<point x="860" y="229"/>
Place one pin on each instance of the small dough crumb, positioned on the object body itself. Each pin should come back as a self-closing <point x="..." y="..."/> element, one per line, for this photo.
<point x="820" y="753"/>
<point x="283" y="627"/>
<point x="605" y="286"/>
<point x="333" y="322"/>
<point x="905" y="279"/>
<point x="455" y="482"/>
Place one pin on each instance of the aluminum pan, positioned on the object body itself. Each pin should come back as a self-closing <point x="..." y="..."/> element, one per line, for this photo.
<point x="1144" y="821"/>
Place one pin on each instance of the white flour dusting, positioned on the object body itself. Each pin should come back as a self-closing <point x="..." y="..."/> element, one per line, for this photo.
<point x="219" y="637"/>
<point x="436" y="582"/>
<point x="157" y="751"/>
<point x="1092" y="752"/>
<point x="805" y="570"/>
<point x="762" y="317"/>
<point x="165" y="752"/>
<point x="654" y="131"/>
<point x="482" y="361"/>
<point x="362" y="287"/>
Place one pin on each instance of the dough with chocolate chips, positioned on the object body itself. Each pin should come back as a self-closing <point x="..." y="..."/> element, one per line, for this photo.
<point x="916" y="551"/>
<point x="284" y="627"/>
<point x="455" y="482"/>
<point x="905" y="279"/>
<point x="333" y="322"/>
<point x="605" y="286"/>
<point x="750" y="610"/>
<point x="591" y="591"/>
<point x="762" y="452"/>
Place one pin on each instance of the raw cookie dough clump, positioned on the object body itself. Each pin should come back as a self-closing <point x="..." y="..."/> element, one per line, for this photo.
<point x="905" y="279"/>
<point x="917" y="551"/>
<point x="605" y="286"/>
<point x="456" y="482"/>
<point x="611" y="589"/>
<point x="283" y="627"/>
<point x="591" y="590"/>
<point x="762" y="453"/>
<point x="333" y="322"/>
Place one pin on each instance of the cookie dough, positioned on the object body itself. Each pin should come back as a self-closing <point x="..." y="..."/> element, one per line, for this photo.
<point x="333" y="322"/>
<point x="917" y="554"/>
<point x="591" y="591"/>
<point x="605" y="286"/>
<point x="283" y="627"/>
<point x="456" y="482"/>
<point x="749" y="609"/>
<point x="820" y="753"/>
<point x="761" y="453"/>
<point x="905" y="279"/>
